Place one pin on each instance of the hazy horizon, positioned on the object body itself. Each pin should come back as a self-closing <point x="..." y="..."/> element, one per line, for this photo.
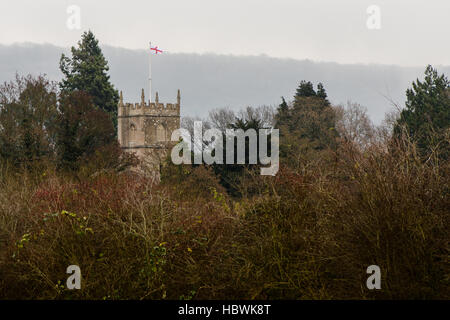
<point x="67" y="49"/>
<point x="209" y="81"/>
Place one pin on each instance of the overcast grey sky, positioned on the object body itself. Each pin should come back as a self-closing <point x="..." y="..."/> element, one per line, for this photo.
<point x="413" y="32"/>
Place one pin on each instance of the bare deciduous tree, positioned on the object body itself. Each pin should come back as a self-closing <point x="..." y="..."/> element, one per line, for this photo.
<point x="221" y="118"/>
<point x="354" y="124"/>
<point x="265" y="114"/>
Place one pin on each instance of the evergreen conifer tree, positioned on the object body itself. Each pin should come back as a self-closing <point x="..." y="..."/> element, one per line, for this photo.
<point x="427" y="114"/>
<point x="87" y="71"/>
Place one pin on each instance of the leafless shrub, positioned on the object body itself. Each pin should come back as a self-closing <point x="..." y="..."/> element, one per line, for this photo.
<point x="354" y="124"/>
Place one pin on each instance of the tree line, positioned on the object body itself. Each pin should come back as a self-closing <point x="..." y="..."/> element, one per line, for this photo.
<point x="69" y="123"/>
<point x="75" y="121"/>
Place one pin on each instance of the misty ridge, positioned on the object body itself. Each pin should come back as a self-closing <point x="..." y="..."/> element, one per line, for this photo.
<point x="209" y="81"/>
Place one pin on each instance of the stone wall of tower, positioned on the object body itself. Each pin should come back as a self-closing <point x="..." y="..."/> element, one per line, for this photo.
<point x="146" y="128"/>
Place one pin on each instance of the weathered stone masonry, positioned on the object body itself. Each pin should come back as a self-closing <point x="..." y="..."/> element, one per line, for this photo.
<point x="145" y="128"/>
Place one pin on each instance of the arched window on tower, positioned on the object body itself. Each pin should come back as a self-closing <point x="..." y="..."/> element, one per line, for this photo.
<point x="133" y="131"/>
<point x="160" y="133"/>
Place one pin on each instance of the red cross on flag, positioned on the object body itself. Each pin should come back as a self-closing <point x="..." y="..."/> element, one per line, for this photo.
<point x="155" y="49"/>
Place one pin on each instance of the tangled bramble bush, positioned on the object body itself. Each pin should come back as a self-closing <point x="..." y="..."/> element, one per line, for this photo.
<point x="309" y="234"/>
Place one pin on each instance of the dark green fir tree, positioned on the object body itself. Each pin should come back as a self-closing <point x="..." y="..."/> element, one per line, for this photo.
<point x="426" y="117"/>
<point x="87" y="71"/>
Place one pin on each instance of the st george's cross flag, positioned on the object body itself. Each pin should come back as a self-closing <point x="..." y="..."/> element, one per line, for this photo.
<point x="155" y="50"/>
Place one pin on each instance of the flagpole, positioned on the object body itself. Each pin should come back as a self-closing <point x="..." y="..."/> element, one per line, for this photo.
<point x="150" y="73"/>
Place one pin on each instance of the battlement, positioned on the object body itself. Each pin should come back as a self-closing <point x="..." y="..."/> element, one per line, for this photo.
<point x="147" y="108"/>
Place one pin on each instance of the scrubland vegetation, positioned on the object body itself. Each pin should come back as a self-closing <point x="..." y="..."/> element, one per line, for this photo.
<point x="308" y="233"/>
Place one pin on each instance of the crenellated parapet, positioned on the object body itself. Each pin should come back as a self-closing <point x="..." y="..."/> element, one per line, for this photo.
<point x="151" y="109"/>
<point x="145" y="108"/>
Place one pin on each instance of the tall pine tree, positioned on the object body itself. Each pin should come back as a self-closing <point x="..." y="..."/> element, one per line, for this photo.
<point x="305" y="89"/>
<point x="426" y="117"/>
<point x="87" y="71"/>
<point x="282" y="114"/>
<point x="308" y="126"/>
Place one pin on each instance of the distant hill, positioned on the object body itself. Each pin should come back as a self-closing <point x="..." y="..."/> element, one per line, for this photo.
<point x="209" y="81"/>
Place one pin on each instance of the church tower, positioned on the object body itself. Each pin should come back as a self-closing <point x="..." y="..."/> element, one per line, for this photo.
<point x="145" y="129"/>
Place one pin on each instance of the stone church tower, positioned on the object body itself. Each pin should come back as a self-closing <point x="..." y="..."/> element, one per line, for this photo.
<point x="145" y="129"/>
